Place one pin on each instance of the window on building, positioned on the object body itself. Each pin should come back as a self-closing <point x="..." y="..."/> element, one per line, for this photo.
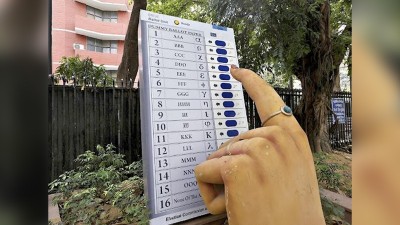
<point x="106" y="16"/>
<point x="110" y="17"/>
<point x="102" y="46"/>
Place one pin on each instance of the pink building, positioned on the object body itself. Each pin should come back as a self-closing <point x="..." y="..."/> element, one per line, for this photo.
<point x="90" y="28"/>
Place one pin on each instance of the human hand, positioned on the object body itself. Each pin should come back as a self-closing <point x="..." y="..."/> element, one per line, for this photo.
<point x="268" y="174"/>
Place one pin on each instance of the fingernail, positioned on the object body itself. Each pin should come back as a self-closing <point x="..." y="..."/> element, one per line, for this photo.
<point x="233" y="66"/>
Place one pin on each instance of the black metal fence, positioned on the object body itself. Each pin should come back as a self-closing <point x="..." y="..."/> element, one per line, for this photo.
<point x="340" y="134"/>
<point x="80" y="117"/>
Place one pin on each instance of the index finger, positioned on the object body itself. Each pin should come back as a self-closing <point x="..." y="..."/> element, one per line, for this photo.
<point x="267" y="102"/>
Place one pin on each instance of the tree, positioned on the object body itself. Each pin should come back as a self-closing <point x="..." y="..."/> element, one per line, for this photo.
<point x="128" y="68"/>
<point x="341" y="35"/>
<point x="198" y="10"/>
<point x="300" y="38"/>
<point x="319" y="69"/>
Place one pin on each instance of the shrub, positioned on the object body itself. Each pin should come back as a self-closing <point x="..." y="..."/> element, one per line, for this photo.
<point x="84" y="71"/>
<point x="101" y="190"/>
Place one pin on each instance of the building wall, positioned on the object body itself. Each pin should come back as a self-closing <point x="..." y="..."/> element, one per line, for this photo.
<point x="67" y="15"/>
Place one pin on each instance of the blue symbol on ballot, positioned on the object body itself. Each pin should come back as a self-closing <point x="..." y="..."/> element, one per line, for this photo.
<point x="221" y="51"/>
<point x="232" y="133"/>
<point x="222" y="59"/>
<point x="228" y="104"/>
<point x="224" y="76"/>
<point x="231" y="123"/>
<point x="230" y="113"/>
<point x="223" y="68"/>
<point x="226" y="85"/>
<point x="220" y="43"/>
<point x="227" y="94"/>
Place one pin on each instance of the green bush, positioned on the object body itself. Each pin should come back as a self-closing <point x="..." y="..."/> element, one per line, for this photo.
<point x="84" y="71"/>
<point x="103" y="189"/>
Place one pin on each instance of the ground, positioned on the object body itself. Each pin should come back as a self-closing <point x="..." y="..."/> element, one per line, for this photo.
<point x="344" y="160"/>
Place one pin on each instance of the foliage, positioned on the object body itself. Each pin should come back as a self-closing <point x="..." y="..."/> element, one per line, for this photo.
<point x="266" y="32"/>
<point x="341" y="25"/>
<point x="273" y="35"/>
<point x="102" y="188"/>
<point x="327" y="173"/>
<point x="198" y="10"/>
<point x="128" y="196"/>
<point x="276" y="81"/>
<point x="84" y="71"/>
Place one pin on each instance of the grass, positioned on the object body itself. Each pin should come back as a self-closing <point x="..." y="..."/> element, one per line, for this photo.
<point x="344" y="170"/>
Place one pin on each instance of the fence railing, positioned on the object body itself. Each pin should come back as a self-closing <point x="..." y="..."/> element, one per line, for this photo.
<point x="339" y="133"/>
<point x="80" y="117"/>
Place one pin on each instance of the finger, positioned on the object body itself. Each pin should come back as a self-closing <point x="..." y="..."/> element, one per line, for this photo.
<point x="226" y="143"/>
<point x="242" y="136"/>
<point x="209" y="171"/>
<point x="208" y="174"/>
<point x="214" y="200"/>
<point x="276" y="137"/>
<point x="233" y="148"/>
<point x="267" y="101"/>
<point x="229" y="141"/>
<point x="213" y="172"/>
<point x="264" y="96"/>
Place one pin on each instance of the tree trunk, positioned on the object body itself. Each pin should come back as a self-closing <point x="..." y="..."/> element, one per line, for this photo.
<point x="128" y="68"/>
<point x="350" y="67"/>
<point x="339" y="54"/>
<point x="317" y="77"/>
<point x="313" y="114"/>
<point x="336" y="87"/>
<point x="291" y="83"/>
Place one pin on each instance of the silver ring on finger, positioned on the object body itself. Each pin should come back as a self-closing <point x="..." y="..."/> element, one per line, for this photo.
<point x="285" y="110"/>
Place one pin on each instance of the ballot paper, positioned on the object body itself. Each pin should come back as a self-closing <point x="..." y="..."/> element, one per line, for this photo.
<point x="190" y="105"/>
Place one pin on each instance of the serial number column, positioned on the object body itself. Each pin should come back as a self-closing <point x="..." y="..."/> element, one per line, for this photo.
<point x="182" y="117"/>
